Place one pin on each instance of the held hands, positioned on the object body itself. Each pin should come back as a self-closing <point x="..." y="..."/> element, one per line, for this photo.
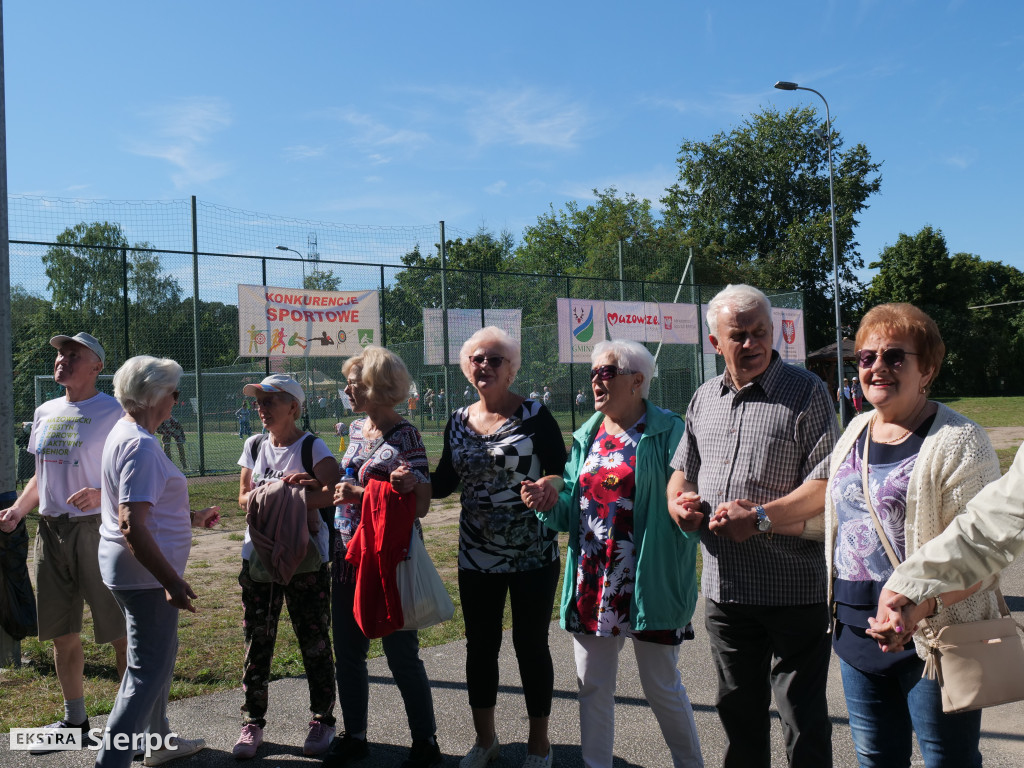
<point x="9" y="519"/>
<point x="896" y="621"/>
<point x="85" y="499"/>
<point x="540" y="495"/>
<point x="685" y="510"/>
<point x="734" y="520"/>
<point x="206" y="518"/>
<point x="348" y="493"/>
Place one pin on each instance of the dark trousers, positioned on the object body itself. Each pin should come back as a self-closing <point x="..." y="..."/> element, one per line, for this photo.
<point x="402" y="650"/>
<point x="761" y="650"/>
<point x="532" y="595"/>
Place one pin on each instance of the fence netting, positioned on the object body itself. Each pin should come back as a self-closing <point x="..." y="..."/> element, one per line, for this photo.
<point x="130" y="273"/>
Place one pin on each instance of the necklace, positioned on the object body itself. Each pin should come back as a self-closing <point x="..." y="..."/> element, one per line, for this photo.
<point x="912" y="421"/>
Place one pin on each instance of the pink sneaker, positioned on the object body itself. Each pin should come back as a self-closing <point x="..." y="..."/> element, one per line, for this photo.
<point x="319" y="738"/>
<point x="248" y="742"/>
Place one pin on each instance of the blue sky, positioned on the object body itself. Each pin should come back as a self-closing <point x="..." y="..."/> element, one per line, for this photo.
<point x="404" y="113"/>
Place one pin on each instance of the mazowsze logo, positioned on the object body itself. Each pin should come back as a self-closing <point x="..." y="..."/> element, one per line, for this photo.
<point x="627" y="319"/>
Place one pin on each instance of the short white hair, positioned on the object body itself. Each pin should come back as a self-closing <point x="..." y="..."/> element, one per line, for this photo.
<point x="143" y="380"/>
<point x="738" y="298"/>
<point x="628" y="355"/>
<point x="491" y="336"/>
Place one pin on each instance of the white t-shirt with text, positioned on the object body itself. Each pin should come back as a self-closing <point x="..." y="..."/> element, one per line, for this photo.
<point x="274" y="462"/>
<point x="67" y="440"/>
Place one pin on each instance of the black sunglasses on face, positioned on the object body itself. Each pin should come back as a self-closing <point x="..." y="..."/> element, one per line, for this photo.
<point x="891" y="358"/>
<point x="608" y="372"/>
<point x="494" y="361"/>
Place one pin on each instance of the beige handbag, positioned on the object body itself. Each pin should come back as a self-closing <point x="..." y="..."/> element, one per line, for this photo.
<point x="977" y="664"/>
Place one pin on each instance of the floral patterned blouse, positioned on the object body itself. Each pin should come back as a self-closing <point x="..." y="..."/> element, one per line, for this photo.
<point x="607" y="563"/>
<point x="497" y="532"/>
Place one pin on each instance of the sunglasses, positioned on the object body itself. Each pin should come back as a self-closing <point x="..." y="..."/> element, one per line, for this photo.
<point x="608" y="372"/>
<point x="891" y="358"/>
<point x="479" y="360"/>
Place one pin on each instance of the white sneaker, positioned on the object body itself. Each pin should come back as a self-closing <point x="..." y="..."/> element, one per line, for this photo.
<point x="180" y="748"/>
<point x="478" y="757"/>
<point x="536" y="761"/>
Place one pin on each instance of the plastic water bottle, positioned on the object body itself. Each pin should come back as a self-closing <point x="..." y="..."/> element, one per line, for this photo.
<point x="352" y="478"/>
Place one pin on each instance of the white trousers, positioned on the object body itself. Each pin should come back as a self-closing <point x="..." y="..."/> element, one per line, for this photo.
<point x="597" y="662"/>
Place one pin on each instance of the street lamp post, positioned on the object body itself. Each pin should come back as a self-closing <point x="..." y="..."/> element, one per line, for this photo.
<point x="784" y="85"/>
<point x="305" y="355"/>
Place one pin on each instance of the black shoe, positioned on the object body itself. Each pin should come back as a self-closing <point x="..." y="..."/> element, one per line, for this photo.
<point x="424" y="754"/>
<point x="84" y="728"/>
<point x="344" y="750"/>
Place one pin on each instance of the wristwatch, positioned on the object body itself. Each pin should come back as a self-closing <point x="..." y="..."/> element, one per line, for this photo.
<point x="764" y="525"/>
<point x="939" y="606"/>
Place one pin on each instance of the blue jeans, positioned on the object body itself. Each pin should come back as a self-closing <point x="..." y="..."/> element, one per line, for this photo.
<point x="141" y="703"/>
<point x="886" y="710"/>
<point x="402" y="650"/>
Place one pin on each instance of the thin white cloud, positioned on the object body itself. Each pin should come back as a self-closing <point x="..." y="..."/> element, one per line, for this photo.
<point x="527" y="117"/>
<point x="371" y="132"/>
<point x="304" y="151"/>
<point x="180" y="130"/>
<point x="496" y="188"/>
<point x="961" y="160"/>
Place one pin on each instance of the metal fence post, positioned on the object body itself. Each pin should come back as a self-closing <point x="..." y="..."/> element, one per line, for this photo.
<point x="266" y="359"/>
<point x="383" y="312"/>
<point x="200" y="421"/>
<point x="124" y="301"/>
<point x="572" y="408"/>
<point x="444" y="312"/>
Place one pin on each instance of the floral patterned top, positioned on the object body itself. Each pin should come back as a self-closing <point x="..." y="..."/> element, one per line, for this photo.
<point x="860" y="564"/>
<point x="607" y="563"/>
<point x="497" y="532"/>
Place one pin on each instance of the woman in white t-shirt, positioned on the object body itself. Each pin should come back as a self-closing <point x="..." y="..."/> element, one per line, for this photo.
<point x="145" y="539"/>
<point x="283" y="455"/>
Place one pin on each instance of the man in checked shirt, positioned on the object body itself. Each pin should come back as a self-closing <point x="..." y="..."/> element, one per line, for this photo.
<point x="750" y="471"/>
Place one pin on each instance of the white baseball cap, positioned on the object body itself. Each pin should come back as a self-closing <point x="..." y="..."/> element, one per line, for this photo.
<point x="277" y="382"/>
<point x="85" y="340"/>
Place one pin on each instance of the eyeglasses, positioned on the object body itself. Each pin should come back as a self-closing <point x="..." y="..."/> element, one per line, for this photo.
<point x="891" y="358"/>
<point x="494" y="361"/>
<point x="608" y="372"/>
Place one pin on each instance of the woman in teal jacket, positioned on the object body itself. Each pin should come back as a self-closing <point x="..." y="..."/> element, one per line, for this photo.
<point x="630" y="571"/>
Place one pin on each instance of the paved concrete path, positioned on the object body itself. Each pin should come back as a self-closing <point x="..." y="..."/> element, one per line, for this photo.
<point x="638" y="741"/>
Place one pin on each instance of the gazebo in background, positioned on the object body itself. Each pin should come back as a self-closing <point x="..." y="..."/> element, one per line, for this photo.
<point x="823" y="362"/>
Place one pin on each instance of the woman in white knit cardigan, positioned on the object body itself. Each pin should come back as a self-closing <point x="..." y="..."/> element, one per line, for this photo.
<point x="925" y="462"/>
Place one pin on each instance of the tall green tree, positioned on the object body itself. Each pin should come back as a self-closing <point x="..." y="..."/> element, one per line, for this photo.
<point x="985" y="347"/>
<point x="756" y="199"/>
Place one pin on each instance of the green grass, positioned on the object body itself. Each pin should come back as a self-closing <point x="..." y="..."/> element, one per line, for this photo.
<point x="989" y="411"/>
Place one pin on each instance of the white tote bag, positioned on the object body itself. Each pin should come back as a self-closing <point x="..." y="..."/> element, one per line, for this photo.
<point x="425" y="601"/>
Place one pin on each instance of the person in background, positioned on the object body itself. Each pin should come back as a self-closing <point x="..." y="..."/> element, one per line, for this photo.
<point x="170" y="430"/>
<point x="581" y="401"/>
<point x="924" y="462"/>
<point x="750" y="470"/>
<point x="630" y="571"/>
<point x="491" y="447"/>
<point x="278" y="457"/>
<point x="244" y="415"/>
<point x="145" y="539"/>
<point x="547" y="397"/>
<point x="382" y="441"/>
<point x="67" y="440"/>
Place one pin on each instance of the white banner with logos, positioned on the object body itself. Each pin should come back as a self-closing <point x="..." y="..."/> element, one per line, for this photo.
<point x="463" y="323"/>
<point x="580" y="327"/>
<point x="680" y="324"/>
<point x="292" y="322"/>
<point x="788" y="338"/>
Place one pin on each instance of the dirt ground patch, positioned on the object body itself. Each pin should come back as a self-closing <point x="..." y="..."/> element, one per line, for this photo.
<point x="1005" y="437"/>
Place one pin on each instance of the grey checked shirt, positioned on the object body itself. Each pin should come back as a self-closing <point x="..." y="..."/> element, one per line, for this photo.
<point x="759" y="443"/>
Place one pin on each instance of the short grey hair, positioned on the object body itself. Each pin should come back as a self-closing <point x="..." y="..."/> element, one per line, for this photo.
<point x="491" y="336"/>
<point x="738" y="298"/>
<point x="143" y="380"/>
<point x="628" y="355"/>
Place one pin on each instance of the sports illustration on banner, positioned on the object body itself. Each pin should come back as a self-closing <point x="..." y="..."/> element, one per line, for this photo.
<point x="292" y="322"/>
<point x="463" y="323"/>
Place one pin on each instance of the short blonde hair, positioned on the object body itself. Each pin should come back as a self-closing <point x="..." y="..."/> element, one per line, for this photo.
<point x="630" y="356"/>
<point x="491" y="336"/>
<point x="143" y="380"/>
<point x="383" y="373"/>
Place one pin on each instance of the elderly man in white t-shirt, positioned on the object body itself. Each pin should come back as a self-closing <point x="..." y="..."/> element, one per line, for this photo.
<point x="67" y="440"/>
